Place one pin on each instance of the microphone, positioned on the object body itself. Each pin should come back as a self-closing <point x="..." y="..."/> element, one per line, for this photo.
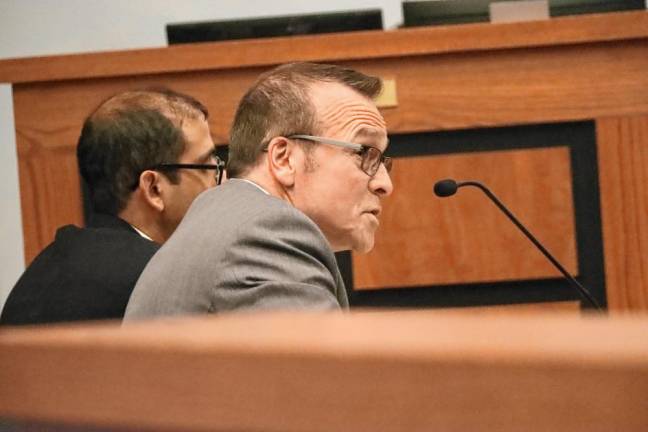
<point x="449" y="187"/>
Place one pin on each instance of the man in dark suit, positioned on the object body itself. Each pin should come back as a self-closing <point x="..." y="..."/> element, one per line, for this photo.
<point x="144" y="155"/>
<point x="306" y="177"/>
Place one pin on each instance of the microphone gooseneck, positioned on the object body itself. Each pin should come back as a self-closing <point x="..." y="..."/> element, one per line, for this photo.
<point x="448" y="187"/>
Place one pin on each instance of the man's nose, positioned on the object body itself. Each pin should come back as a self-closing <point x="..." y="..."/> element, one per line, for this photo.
<point x="381" y="183"/>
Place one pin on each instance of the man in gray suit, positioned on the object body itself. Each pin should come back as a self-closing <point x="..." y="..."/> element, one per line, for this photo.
<point x="307" y="175"/>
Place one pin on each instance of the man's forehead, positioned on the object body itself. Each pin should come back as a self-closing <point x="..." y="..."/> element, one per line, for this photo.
<point x="340" y="108"/>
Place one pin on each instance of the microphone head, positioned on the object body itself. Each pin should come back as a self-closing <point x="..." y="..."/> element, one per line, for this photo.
<point x="445" y="188"/>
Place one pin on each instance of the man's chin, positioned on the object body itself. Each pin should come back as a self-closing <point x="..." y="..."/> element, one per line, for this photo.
<point x="364" y="246"/>
<point x="362" y="243"/>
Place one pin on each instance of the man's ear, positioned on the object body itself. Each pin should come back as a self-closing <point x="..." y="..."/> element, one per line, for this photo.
<point x="150" y="186"/>
<point x="283" y="160"/>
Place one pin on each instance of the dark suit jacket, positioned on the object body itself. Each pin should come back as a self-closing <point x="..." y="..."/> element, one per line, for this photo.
<point x="85" y="274"/>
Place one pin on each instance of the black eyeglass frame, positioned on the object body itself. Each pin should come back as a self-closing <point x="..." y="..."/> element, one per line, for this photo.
<point x="362" y="150"/>
<point x="218" y="167"/>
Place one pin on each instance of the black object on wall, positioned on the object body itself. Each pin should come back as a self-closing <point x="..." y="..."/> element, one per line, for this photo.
<point x="444" y="12"/>
<point x="209" y="31"/>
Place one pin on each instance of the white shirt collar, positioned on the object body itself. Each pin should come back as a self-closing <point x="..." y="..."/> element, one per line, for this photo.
<point x="141" y="233"/>
<point x="245" y="180"/>
<point x="252" y="183"/>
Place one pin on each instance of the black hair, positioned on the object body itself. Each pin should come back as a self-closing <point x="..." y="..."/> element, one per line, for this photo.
<point x="127" y="134"/>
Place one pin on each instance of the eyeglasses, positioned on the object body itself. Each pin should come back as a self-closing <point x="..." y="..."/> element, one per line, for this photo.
<point x="371" y="156"/>
<point x="217" y="167"/>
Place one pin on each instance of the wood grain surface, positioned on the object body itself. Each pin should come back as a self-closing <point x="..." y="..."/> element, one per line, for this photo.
<point x="435" y="93"/>
<point x="396" y="371"/>
<point x="623" y="169"/>
<point x="427" y="240"/>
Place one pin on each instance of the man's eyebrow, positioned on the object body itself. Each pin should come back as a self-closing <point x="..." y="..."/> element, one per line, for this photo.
<point x="371" y="133"/>
<point x="207" y="155"/>
<point x="366" y="131"/>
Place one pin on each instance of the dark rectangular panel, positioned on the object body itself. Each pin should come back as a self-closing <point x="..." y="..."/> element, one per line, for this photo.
<point x="576" y="138"/>
<point x="253" y="28"/>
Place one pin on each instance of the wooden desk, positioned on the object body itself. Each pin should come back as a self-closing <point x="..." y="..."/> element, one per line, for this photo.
<point x="397" y="371"/>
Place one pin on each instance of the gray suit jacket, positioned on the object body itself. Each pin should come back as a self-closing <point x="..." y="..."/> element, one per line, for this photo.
<point x="238" y="248"/>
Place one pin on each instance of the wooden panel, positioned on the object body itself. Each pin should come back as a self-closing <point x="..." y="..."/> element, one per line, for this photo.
<point x="331" y="47"/>
<point x="623" y="170"/>
<point x="426" y="240"/>
<point x="507" y="87"/>
<point x="50" y="193"/>
<point x="434" y="93"/>
<point x="317" y="372"/>
<point x="438" y="92"/>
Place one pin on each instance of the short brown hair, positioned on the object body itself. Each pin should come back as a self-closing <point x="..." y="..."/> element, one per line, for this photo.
<point x="279" y="104"/>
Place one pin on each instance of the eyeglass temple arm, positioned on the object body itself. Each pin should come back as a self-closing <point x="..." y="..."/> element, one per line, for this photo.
<point x="328" y="141"/>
